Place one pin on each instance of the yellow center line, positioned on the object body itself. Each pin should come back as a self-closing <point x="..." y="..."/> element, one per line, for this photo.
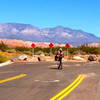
<point x="60" y="98"/>
<point x="67" y="88"/>
<point x="13" y="78"/>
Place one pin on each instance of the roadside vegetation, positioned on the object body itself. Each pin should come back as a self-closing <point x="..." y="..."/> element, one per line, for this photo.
<point x="8" y="52"/>
<point x="38" y="50"/>
<point x="3" y="58"/>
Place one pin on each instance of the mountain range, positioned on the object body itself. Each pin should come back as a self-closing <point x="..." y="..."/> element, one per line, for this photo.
<point x="57" y="34"/>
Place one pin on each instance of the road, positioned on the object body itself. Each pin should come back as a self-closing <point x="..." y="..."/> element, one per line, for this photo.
<point x="43" y="81"/>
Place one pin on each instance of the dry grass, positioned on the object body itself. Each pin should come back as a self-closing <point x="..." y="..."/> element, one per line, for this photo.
<point x="9" y="55"/>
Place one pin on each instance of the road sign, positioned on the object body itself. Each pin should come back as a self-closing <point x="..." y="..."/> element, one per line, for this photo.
<point x="51" y="45"/>
<point x="33" y="45"/>
<point x="67" y="45"/>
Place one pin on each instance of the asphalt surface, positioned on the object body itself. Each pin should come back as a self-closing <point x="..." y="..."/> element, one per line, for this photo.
<point x="44" y="80"/>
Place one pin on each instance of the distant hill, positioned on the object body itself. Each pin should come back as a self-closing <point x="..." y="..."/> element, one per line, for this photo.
<point x="21" y="43"/>
<point x="57" y="34"/>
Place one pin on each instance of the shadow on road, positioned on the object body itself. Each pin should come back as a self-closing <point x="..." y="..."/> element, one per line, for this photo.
<point x="54" y="68"/>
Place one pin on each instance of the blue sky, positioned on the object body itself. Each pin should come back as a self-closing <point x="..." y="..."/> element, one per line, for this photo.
<point x="76" y="14"/>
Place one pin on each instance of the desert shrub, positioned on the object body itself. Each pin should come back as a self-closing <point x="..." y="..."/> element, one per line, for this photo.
<point x="21" y="49"/>
<point x="47" y="54"/>
<point x="73" y="50"/>
<point x="11" y="51"/>
<point x="90" y="50"/>
<point x="38" y="52"/>
<point x="46" y="50"/>
<point x="27" y="52"/>
<point x="37" y="49"/>
<point x="3" y="47"/>
<point x="3" y="59"/>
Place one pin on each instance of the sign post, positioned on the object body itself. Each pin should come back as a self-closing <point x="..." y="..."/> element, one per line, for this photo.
<point x="51" y="46"/>
<point x="67" y="46"/>
<point x="33" y="46"/>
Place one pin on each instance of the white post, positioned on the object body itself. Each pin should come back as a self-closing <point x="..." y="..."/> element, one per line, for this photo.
<point x="33" y="52"/>
<point x="67" y="53"/>
<point x="50" y="51"/>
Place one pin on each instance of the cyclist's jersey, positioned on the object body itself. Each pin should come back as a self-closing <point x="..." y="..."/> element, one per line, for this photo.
<point x="60" y="55"/>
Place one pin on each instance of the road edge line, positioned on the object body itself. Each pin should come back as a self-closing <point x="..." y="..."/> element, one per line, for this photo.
<point x="6" y="63"/>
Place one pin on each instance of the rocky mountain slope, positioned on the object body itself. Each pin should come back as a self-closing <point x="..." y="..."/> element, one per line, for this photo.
<point x="57" y="34"/>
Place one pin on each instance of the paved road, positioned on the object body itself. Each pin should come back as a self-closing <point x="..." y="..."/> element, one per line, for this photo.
<point x="43" y="81"/>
